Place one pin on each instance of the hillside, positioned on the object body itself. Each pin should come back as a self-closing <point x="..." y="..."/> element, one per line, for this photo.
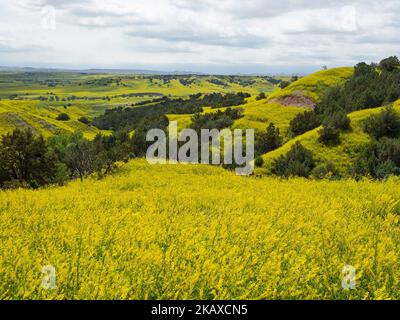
<point x="38" y="109"/>
<point x="34" y="100"/>
<point x="342" y="155"/>
<point x="258" y="114"/>
<point x="310" y="89"/>
<point x="37" y="99"/>
<point x="33" y="85"/>
<point x="280" y="109"/>
<point x="212" y="235"/>
<point x="42" y="119"/>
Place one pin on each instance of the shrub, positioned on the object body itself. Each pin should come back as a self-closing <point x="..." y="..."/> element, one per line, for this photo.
<point x="261" y="96"/>
<point x="304" y="122"/>
<point x="325" y="171"/>
<point x="385" y="124"/>
<point x="338" y="120"/>
<point x="15" y="184"/>
<point x="63" y="117"/>
<point x="84" y="120"/>
<point x="378" y="159"/>
<point x="284" y="84"/>
<point x="269" y="140"/>
<point x="297" y="162"/>
<point x="329" y="135"/>
<point x="259" y="162"/>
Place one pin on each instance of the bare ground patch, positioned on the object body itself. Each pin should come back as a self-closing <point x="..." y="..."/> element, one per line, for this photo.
<point x="15" y="120"/>
<point x="297" y="99"/>
<point x="48" y="126"/>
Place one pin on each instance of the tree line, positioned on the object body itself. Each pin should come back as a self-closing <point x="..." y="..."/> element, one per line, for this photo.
<point x="128" y="118"/>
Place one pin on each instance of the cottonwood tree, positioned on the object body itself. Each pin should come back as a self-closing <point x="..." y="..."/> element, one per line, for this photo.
<point x="80" y="157"/>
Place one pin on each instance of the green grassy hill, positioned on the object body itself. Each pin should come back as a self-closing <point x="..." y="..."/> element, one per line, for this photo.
<point x="33" y="85"/>
<point x="39" y="98"/>
<point x="342" y="155"/>
<point x="258" y="114"/>
<point x="314" y="85"/>
<point x="34" y="100"/>
<point x="42" y="119"/>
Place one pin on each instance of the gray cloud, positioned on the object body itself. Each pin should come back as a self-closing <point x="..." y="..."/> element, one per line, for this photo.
<point x="211" y="39"/>
<point x="56" y="3"/>
<point x="204" y="33"/>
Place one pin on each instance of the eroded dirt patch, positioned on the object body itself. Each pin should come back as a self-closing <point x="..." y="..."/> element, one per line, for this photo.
<point x="15" y="120"/>
<point x="297" y="99"/>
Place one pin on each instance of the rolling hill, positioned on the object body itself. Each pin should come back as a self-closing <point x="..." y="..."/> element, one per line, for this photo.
<point x="309" y="90"/>
<point x="42" y="119"/>
<point x="142" y="231"/>
<point x="343" y="154"/>
<point x="35" y="99"/>
<point x="282" y="105"/>
<point x="93" y="94"/>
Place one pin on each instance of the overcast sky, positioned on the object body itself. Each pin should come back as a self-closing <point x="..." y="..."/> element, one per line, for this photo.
<point x="215" y="36"/>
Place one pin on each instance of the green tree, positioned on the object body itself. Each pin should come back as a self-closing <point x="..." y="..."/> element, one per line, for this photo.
<point x="378" y="159"/>
<point x="304" y="122"/>
<point x="140" y="145"/>
<point x="25" y="157"/>
<point x="84" y="120"/>
<point x="384" y="124"/>
<point x="284" y="84"/>
<point x="268" y="140"/>
<point x="298" y="161"/>
<point x="390" y="64"/>
<point x="80" y="158"/>
<point x="63" y="117"/>
<point x="261" y="96"/>
<point x="329" y="135"/>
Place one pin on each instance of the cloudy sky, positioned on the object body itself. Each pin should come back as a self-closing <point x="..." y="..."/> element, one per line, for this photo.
<point x="216" y="36"/>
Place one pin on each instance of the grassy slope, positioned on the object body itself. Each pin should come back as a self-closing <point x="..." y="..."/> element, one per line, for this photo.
<point x="40" y="119"/>
<point x="315" y="85"/>
<point x="78" y="86"/>
<point x="40" y="115"/>
<point x="342" y="155"/>
<point x="213" y="235"/>
<point x="258" y="114"/>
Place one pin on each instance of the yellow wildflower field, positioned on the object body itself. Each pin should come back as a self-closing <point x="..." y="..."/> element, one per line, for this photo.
<point x="200" y="232"/>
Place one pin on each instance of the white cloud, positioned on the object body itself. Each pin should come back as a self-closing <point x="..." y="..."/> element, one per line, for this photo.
<point x="238" y="36"/>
